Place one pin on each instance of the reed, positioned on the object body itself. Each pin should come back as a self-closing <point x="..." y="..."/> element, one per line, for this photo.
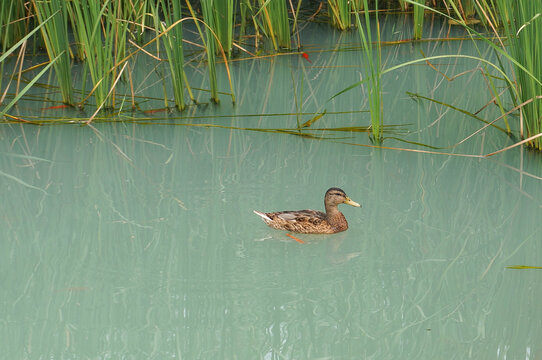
<point x="403" y="5"/>
<point x="223" y="11"/>
<point x="55" y="36"/>
<point x="136" y="14"/>
<point x="12" y="30"/>
<point x="274" y="14"/>
<point x="14" y="23"/>
<point x="372" y="69"/>
<point x="522" y="27"/>
<point x="210" y="46"/>
<point x="173" y="46"/>
<point x="340" y="12"/>
<point x="102" y="39"/>
<point x="464" y="8"/>
<point x="524" y="34"/>
<point x="20" y="44"/>
<point x="245" y="8"/>
<point x="418" y="20"/>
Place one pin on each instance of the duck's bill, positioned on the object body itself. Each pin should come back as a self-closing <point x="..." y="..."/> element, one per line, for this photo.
<point x="350" y="202"/>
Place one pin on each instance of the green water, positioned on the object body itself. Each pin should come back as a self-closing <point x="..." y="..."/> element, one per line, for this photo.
<point x="131" y="241"/>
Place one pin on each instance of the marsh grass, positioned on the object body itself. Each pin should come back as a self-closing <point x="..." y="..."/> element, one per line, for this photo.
<point x="274" y="15"/>
<point x="21" y="44"/>
<point x="210" y="46"/>
<point x="223" y="11"/>
<point x="173" y="46"/>
<point x="419" y="13"/>
<point x="523" y="34"/>
<point x="524" y="50"/>
<point x="11" y="27"/>
<point x="13" y="23"/>
<point x="102" y="28"/>
<point x="101" y="34"/>
<point x="340" y="12"/>
<point x="55" y="36"/>
<point x="371" y="59"/>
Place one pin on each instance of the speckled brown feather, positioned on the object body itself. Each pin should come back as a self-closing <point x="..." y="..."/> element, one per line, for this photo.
<point x="306" y="222"/>
<point x="311" y="221"/>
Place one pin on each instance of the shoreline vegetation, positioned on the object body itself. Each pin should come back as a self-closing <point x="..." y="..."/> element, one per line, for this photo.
<point x="104" y="37"/>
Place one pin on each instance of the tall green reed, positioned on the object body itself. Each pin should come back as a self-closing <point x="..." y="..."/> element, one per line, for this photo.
<point x="418" y="20"/>
<point x="11" y="28"/>
<point x="8" y="52"/>
<point x="136" y="14"/>
<point x="372" y="58"/>
<point x="173" y="45"/>
<point x="102" y="36"/>
<point x="524" y="32"/>
<point x="274" y="14"/>
<point x="464" y="8"/>
<point x="223" y="11"/>
<point x="55" y="36"/>
<point x="210" y="46"/>
<point x="523" y="55"/>
<point x="14" y="24"/>
<point x="341" y="13"/>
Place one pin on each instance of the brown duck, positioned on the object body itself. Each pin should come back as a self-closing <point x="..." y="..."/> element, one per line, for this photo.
<point x="312" y="221"/>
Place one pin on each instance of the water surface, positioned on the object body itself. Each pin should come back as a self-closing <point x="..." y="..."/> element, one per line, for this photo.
<point x="133" y="241"/>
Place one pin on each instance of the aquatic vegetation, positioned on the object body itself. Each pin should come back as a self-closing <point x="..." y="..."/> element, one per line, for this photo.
<point x="526" y="51"/>
<point x="340" y="12"/>
<point x="210" y="46"/>
<point x="276" y="22"/>
<point x="172" y="41"/>
<point x="19" y="94"/>
<point x="14" y="23"/>
<point x="12" y="30"/>
<point x="218" y="15"/>
<point x="419" y="13"/>
<point x="523" y="33"/>
<point x="371" y="59"/>
<point x="55" y="36"/>
<point x="112" y="37"/>
<point x="102" y="41"/>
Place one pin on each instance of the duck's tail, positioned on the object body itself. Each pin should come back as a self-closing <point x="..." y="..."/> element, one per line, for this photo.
<point x="262" y="215"/>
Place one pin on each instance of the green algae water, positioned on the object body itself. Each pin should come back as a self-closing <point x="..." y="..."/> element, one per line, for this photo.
<point x="135" y="238"/>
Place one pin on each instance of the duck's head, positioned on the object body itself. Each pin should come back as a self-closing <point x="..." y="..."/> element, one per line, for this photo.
<point x="335" y="196"/>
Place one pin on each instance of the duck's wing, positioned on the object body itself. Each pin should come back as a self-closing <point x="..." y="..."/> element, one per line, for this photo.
<point x="311" y="216"/>
<point x="301" y="216"/>
<point x="300" y="221"/>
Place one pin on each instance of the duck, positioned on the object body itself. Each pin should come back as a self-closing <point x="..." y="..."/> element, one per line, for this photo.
<point x="312" y="221"/>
